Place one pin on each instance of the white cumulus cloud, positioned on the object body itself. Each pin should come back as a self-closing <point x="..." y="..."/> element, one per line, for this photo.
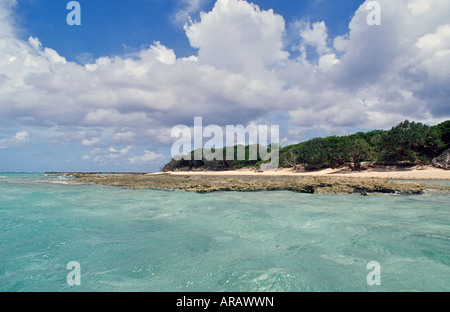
<point x="149" y="157"/>
<point x="372" y="76"/>
<point x="20" y="138"/>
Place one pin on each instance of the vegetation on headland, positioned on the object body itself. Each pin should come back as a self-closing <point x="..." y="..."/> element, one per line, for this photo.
<point x="189" y="162"/>
<point x="407" y="143"/>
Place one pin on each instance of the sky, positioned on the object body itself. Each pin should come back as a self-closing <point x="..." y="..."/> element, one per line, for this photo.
<point x="104" y="95"/>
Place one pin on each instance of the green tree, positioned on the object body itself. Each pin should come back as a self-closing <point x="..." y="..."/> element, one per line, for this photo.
<point x="441" y="133"/>
<point x="358" y="150"/>
<point x="407" y="141"/>
<point x="322" y="153"/>
<point x="313" y="154"/>
<point x="289" y="158"/>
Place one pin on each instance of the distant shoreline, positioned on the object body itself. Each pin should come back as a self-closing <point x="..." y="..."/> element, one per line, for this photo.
<point x="386" y="172"/>
<point x="327" y="181"/>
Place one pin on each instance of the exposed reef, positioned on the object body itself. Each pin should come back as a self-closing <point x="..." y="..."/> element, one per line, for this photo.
<point x="246" y="183"/>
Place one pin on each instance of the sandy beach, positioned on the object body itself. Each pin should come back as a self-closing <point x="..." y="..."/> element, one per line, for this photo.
<point x="396" y="173"/>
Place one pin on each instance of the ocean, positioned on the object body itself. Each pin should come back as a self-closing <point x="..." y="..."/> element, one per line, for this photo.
<point x="60" y="237"/>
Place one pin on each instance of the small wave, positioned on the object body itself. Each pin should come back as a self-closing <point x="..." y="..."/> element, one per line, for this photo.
<point x="60" y="181"/>
<point x="2" y="177"/>
<point x="65" y="177"/>
<point x="57" y="182"/>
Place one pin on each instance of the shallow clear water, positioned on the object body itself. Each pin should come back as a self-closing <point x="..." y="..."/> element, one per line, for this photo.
<point x="152" y="240"/>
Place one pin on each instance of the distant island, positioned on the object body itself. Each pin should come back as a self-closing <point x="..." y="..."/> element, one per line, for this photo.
<point x="407" y="144"/>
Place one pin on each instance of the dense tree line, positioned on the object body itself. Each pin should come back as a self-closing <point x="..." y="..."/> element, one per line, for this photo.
<point x="224" y="163"/>
<point x="408" y="142"/>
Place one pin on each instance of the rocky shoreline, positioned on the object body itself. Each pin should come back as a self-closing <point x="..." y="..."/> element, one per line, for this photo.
<point x="246" y="183"/>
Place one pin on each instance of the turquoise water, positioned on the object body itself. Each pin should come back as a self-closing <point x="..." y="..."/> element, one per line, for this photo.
<point x="152" y="240"/>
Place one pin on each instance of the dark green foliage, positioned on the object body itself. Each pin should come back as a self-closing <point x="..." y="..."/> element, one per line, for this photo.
<point x="358" y="150"/>
<point x="223" y="163"/>
<point x="322" y="153"/>
<point x="409" y="142"/>
<point x="328" y="152"/>
<point x="441" y="132"/>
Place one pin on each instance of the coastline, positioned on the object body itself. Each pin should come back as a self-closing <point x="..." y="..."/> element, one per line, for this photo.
<point x="384" y="172"/>
<point x="327" y="181"/>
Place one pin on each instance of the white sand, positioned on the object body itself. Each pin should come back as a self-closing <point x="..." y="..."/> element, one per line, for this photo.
<point x="413" y="173"/>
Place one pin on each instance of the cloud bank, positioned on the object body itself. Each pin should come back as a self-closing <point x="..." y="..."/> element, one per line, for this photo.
<point x="370" y="77"/>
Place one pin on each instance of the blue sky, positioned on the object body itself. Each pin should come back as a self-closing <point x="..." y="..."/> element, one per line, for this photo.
<point x="117" y="27"/>
<point x="104" y="96"/>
